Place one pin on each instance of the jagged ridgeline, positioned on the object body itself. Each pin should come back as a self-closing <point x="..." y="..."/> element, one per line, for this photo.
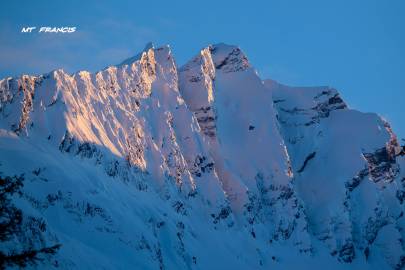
<point x="145" y="165"/>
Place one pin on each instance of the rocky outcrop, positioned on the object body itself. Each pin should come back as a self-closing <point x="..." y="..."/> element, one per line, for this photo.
<point x="205" y="166"/>
<point x="351" y="156"/>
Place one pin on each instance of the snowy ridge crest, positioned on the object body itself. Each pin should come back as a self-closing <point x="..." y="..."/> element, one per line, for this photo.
<point x="204" y="166"/>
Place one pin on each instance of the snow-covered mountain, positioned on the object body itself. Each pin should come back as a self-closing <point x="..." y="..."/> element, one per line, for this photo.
<point x="145" y="165"/>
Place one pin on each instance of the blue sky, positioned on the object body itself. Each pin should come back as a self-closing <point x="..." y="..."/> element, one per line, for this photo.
<point x="355" y="46"/>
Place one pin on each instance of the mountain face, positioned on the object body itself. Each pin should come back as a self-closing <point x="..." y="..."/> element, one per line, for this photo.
<point x="149" y="166"/>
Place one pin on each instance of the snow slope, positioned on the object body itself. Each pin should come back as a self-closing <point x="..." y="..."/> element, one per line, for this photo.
<point x="347" y="172"/>
<point x="149" y="166"/>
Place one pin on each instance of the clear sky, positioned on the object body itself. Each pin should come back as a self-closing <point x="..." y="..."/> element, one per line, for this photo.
<point x="356" y="46"/>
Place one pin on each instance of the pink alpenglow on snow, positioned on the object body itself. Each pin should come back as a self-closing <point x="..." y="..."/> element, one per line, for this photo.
<point x="148" y="165"/>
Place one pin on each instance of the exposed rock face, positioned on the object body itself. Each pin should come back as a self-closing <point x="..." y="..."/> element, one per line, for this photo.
<point x="248" y="151"/>
<point x="202" y="167"/>
<point x="345" y="171"/>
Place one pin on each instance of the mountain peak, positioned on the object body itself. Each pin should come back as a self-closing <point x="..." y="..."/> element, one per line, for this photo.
<point x="228" y="58"/>
<point x="128" y="61"/>
<point x="150" y="158"/>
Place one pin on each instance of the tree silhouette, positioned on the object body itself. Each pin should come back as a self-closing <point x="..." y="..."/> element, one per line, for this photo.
<point x="11" y="219"/>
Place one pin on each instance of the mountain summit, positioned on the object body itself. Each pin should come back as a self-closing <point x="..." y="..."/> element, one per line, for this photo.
<point x="148" y="165"/>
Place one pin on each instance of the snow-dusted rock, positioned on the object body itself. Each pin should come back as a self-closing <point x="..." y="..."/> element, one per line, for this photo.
<point x="146" y="165"/>
<point x="346" y="170"/>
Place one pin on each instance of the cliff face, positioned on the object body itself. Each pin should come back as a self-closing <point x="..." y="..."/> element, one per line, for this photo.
<point x="205" y="166"/>
<point x="347" y="171"/>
